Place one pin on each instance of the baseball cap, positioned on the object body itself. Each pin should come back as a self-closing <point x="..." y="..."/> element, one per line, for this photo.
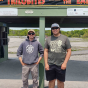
<point x="31" y="30"/>
<point x="55" y="25"/>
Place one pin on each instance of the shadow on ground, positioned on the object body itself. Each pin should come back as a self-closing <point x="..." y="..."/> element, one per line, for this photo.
<point x="76" y="70"/>
<point x="31" y="86"/>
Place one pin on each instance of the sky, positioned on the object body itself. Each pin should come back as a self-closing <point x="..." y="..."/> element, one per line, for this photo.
<point x="63" y="29"/>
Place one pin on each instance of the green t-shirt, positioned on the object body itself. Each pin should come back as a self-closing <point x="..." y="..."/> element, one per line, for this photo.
<point x="57" y="47"/>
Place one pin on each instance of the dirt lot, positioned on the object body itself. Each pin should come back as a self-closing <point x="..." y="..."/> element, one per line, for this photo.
<point x="76" y="43"/>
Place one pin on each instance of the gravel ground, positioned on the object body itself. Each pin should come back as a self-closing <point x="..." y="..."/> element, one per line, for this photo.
<point x="76" y="43"/>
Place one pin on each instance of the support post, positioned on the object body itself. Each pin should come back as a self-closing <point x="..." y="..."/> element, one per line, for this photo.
<point x="42" y="40"/>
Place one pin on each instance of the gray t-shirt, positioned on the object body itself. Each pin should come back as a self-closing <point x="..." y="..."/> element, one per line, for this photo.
<point x="57" y="47"/>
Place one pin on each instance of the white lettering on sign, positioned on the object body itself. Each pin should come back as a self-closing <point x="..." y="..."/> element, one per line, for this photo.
<point x="8" y="11"/>
<point x="29" y="11"/>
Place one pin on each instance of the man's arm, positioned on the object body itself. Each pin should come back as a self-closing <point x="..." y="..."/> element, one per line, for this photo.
<point x="20" y="58"/>
<point x="63" y="66"/>
<point x="38" y="60"/>
<point x="19" y="53"/>
<point x="41" y="51"/>
<point x="46" y="59"/>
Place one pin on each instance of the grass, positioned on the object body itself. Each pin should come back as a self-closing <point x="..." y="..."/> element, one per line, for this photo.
<point x="12" y="52"/>
<point x="79" y="48"/>
<point x="74" y="50"/>
<point x="14" y="47"/>
<point x="85" y="39"/>
<point x="79" y="40"/>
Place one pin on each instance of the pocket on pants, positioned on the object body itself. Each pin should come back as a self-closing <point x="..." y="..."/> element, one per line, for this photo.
<point x="35" y="67"/>
<point x="34" y="71"/>
<point x="24" y="69"/>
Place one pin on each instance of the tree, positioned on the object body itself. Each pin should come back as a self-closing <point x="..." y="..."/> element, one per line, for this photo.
<point x="76" y="33"/>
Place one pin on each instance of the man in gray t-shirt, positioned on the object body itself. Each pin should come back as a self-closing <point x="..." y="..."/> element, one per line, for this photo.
<point x="56" y="55"/>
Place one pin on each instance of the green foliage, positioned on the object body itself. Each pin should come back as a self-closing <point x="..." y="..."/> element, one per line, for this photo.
<point x="76" y="33"/>
<point x="48" y="32"/>
<point x="85" y="35"/>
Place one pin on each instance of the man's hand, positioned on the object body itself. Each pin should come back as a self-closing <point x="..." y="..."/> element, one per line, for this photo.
<point x="23" y="64"/>
<point x="37" y="62"/>
<point x="63" y="66"/>
<point x="46" y="67"/>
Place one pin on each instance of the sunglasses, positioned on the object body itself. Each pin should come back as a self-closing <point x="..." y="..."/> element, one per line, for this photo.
<point x="54" y="28"/>
<point x="31" y="33"/>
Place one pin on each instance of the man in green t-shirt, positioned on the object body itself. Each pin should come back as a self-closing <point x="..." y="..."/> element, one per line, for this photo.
<point x="56" y="55"/>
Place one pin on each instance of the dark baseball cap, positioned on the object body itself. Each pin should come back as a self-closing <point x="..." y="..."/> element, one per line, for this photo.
<point x="55" y="25"/>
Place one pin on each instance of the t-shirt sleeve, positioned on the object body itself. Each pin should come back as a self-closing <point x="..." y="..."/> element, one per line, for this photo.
<point x="46" y="44"/>
<point x="68" y="45"/>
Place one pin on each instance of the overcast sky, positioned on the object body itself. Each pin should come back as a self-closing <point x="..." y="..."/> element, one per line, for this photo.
<point x="64" y="29"/>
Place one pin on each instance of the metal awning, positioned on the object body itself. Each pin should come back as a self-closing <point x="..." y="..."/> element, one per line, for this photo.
<point x="27" y="21"/>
